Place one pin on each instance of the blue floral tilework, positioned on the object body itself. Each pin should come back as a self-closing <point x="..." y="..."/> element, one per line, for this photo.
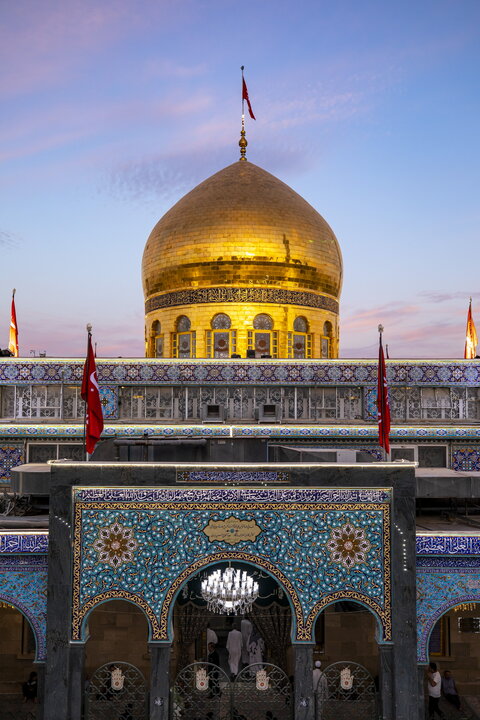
<point x="466" y="459"/>
<point x="145" y="551"/>
<point x="135" y="371"/>
<point x="23" y="583"/>
<point x="10" y="456"/>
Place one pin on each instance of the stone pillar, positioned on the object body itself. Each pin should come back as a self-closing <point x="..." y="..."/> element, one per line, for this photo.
<point x="59" y="604"/>
<point x="40" y="670"/>
<point x="421" y="690"/>
<point x="159" y="680"/>
<point x="404" y="611"/>
<point x="304" y="701"/>
<point x="385" y="657"/>
<point x="75" y="680"/>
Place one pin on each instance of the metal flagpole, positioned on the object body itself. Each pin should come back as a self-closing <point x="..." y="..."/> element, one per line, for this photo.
<point x="87" y="373"/>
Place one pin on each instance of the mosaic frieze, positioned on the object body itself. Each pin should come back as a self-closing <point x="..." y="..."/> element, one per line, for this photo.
<point x="313" y="432"/>
<point x="23" y="583"/>
<point x="233" y="476"/>
<point x="282" y="372"/>
<point x="145" y="551"/>
<point x="448" y="544"/>
<point x="10" y="457"/>
<point x="278" y="496"/>
<point x="439" y="589"/>
<point x="23" y="542"/>
<point x="241" y="295"/>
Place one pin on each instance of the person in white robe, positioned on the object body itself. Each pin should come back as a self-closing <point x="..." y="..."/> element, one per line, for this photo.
<point x="246" y="630"/>
<point x="234" y="648"/>
<point x="256" y="648"/>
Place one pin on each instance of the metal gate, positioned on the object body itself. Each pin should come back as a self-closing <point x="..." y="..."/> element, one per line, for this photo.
<point x="204" y="692"/>
<point x="262" y="692"/>
<point x="346" y="690"/>
<point x="116" y="691"/>
<point x="201" y="691"/>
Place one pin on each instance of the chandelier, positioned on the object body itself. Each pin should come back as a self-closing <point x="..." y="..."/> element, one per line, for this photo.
<point x="229" y="591"/>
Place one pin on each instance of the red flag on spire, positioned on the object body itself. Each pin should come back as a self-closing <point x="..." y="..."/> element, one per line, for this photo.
<point x="245" y="97"/>
<point x="91" y="396"/>
<point x="471" y="339"/>
<point x="13" y="337"/>
<point x="383" y="407"/>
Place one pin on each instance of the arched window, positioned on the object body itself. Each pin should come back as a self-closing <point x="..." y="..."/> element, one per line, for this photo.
<point x="326" y="340"/>
<point x="156" y="339"/>
<point x="183" y="324"/>
<point x="300" y="341"/>
<point x="183" y="341"/>
<point x="262" y="340"/>
<point x="263" y="322"/>
<point x="300" y="324"/>
<point x="221" y="321"/>
<point x="220" y="340"/>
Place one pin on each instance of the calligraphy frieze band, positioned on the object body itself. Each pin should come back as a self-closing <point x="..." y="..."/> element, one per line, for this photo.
<point x="241" y="295"/>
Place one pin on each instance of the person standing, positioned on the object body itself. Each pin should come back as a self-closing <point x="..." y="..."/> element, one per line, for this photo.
<point x="434" y="691"/>
<point x="234" y="647"/>
<point x="449" y="689"/>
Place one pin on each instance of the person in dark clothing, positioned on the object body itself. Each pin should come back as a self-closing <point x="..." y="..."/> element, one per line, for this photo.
<point x="213" y="673"/>
<point x="30" y="688"/>
<point x="449" y="689"/>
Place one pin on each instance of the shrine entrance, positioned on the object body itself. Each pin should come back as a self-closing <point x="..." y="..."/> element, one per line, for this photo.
<point x="203" y="691"/>
<point x="346" y="690"/>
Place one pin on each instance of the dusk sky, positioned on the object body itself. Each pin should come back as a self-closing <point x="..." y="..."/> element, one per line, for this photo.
<point x="114" y="109"/>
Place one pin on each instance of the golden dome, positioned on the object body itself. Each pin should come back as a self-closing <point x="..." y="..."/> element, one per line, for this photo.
<point x="242" y="226"/>
<point x="245" y="245"/>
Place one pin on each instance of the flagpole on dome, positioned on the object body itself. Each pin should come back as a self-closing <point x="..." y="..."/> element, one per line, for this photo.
<point x="243" y="140"/>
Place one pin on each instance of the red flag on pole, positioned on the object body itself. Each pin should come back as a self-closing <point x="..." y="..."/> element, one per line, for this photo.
<point x="471" y="339"/>
<point x="13" y="337"/>
<point x="383" y="407"/>
<point x="91" y="396"/>
<point x="245" y="97"/>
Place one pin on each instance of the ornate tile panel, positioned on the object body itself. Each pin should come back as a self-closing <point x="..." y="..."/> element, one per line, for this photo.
<point x="466" y="458"/>
<point x="23" y="583"/>
<point x="10" y="456"/>
<point x="142" y="544"/>
<point x="137" y="371"/>
<point x="109" y="400"/>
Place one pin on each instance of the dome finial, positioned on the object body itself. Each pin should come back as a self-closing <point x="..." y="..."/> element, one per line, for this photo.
<point x="243" y="141"/>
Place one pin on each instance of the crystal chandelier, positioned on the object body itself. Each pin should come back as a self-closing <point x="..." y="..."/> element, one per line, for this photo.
<point x="229" y="591"/>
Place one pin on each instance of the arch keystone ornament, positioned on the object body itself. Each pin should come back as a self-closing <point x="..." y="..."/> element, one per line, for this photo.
<point x="232" y="531"/>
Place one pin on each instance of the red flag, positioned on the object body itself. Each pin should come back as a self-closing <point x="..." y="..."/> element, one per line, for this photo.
<point x="13" y="337"/>
<point x="383" y="407"/>
<point x="91" y="396"/>
<point x="245" y="97"/>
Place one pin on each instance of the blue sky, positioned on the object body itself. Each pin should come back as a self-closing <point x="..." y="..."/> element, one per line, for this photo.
<point x="112" y="110"/>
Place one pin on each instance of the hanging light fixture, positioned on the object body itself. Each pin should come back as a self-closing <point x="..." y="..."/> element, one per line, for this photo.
<point x="229" y="591"/>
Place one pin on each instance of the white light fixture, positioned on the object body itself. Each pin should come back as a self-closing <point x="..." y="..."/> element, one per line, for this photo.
<point x="229" y="591"/>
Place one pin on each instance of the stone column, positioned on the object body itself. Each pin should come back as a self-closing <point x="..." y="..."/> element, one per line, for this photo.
<point x="75" y="680"/>
<point x="59" y="605"/>
<point x="304" y="701"/>
<point x="404" y="613"/>
<point x="421" y="690"/>
<point x="40" y="670"/>
<point x="385" y="657"/>
<point x="159" y="680"/>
